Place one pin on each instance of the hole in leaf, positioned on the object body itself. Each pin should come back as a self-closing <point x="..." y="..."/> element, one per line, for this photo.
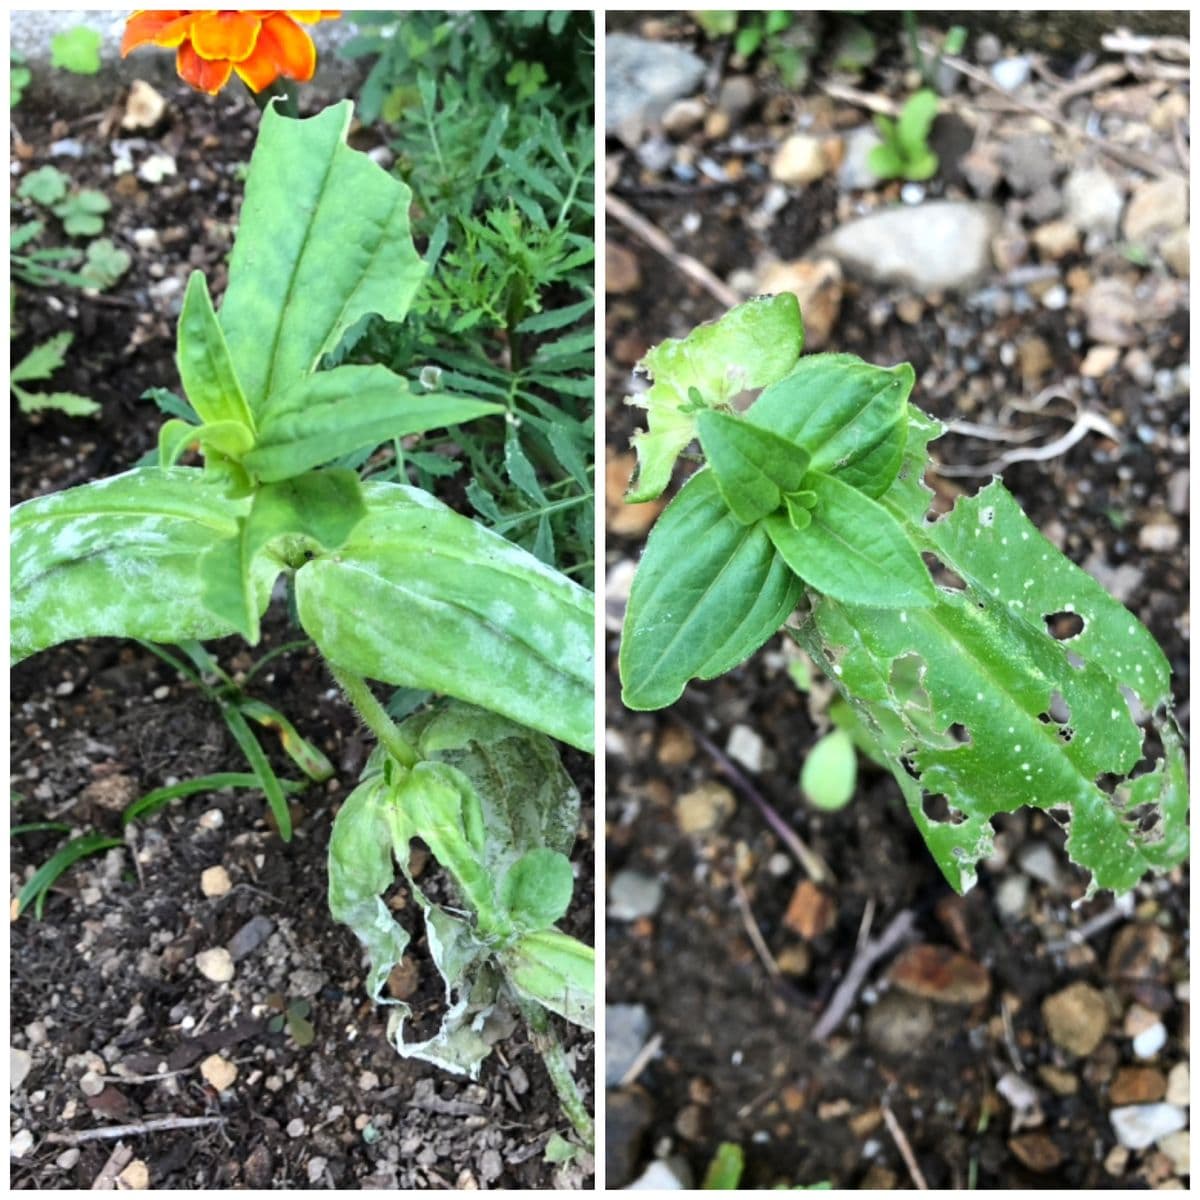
<point x="907" y="764"/>
<point x="1059" y="815"/>
<point x="942" y="575"/>
<point x="936" y="807"/>
<point x="1146" y="820"/>
<point x="1066" y="733"/>
<point x="1060" y="710"/>
<point x="1062" y="626"/>
<point x="1108" y="783"/>
<point x="960" y="733"/>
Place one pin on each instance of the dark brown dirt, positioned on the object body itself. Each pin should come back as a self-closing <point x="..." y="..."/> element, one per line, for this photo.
<point x="735" y="1062"/>
<point x="107" y="981"/>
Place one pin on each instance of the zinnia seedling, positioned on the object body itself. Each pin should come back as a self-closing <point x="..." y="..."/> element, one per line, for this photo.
<point x="812" y="510"/>
<point x="389" y="583"/>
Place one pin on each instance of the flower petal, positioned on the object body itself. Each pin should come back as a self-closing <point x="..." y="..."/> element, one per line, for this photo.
<point x="165" y="28"/>
<point x="225" y="34"/>
<point x="310" y="16"/>
<point x="259" y="70"/>
<point x="205" y="76"/>
<point x="290" y="48"/>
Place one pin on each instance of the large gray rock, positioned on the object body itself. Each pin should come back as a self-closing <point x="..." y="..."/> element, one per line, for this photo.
<point x="641" y="78"/>
<point x="31" y="31"/>
<point x="941" y="246"/>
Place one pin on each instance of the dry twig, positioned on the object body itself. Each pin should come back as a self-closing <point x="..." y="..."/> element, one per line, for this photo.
<point x="117" y="1161"/>
<point x="105" y="1132"/>
<point x="810" y="861"/>
<point x="642" y="1061"/>
<point x="906" y="1153"/>
<point x="1123" y="154"/>
<point x="865" y="958"/>
<point x="654" y="237"/>
<point x="752" y="930"/>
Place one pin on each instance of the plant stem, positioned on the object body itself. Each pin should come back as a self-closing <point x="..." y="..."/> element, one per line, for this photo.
<point x="374" y="715"/>
<point x="281" y="87"/>
<point x="546" y="1043"/>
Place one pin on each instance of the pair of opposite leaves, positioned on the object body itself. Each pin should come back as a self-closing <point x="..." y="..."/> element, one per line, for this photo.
<point x="836" y="538"/>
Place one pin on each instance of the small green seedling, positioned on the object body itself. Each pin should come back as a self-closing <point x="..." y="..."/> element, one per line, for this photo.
<point x="811" y="513"/>
<point x="40" y="364"/>
<point x="76" y="50"/>
<point x="905" y="152"/>
<point x="19" y="78"/>
<point x="728" y="1165"/>
<point x="292" y="1015"/>
<point x="82" y="213"/>
<point x="45" y="186"/>
<point x="830" y="772"/>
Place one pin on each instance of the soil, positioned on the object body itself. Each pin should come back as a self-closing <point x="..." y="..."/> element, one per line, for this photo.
<point x="106" y="984"/>
<point x="735" y="1063"/>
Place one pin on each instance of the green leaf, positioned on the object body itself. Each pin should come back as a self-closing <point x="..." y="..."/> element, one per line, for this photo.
<point x="972" y="715"/>
<point x="76" y="50"/>
<point x="528" y="798"/>
<point x="46" y="186"/>
<point x="830" y="772"/>
<point x="151" y="802"/>
<point x="205" y="366"/>
<point x="43" y="360"/>
<point x="121" y="558"/>
<point x="19" y="79"/>
<point x="556" y="971"/>
<point x="228" y="438"/>
<point x="360" y="874"/>
<point x="852" y="417"/>
<point x="44" y="878"/>
<point x="885" y="162"/>
<point x="337" y="412"/>
<point x="70" y="403"/>
<point x="725" y="1171"/>
<point x="708" y="592"/>
<point x="303" y="753"/>
<point x="753" y="467"/>
<point x="854" y="549"/>
<point x="82" y="213"/>
<point x="536" y="892"/>
<point x="916" y="120"/>
<point x="287" y="523"/>
<point x="324" y="240"/>
<point x="751" y="346"/>
<point x="104" y="264"/>
<point x="423" y="597"/>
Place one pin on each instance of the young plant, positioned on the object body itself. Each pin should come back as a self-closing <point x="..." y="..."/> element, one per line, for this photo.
<point x="389" y="583"/>
<point x="905" y="152"/>
<point x="812" y="503"/>
<point x="40" y="364"/>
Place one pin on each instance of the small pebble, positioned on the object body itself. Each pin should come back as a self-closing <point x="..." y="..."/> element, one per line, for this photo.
<point x="1150" y="1041"/>
<point x="1140" y="1125"/>
<point x="632" y="895"/>
<point x="213" y="819"/>
<point x="215" y="882"/>
<point x="19" y="1063"/>
<point x="216" y="964"/>
<point x="218" y="1072"/>
<point x="1011" y="73"/>
<point x="91" y="1084"/>
<point x="296" y="1128"/>
<point x="21" y="1144"/>
<point x="67" y="1159"/>
<point x="157" y="168"/>
<point x="134" y="1178"/>
<point x="746" y="747"/>
<point x="316" y="1168"/>
<point x="1179" y="1085"/>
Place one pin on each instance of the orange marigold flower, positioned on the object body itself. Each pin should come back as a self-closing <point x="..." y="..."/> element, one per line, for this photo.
<point x="211" y="44"/>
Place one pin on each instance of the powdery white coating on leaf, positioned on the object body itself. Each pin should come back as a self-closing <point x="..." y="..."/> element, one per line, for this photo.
<point x="119" y="557"/>
<point x="423" y="597"/>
